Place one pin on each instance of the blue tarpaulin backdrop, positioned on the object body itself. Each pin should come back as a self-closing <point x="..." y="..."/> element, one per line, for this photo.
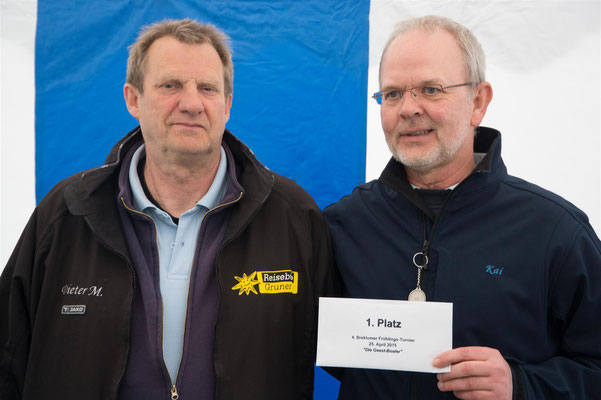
<point x="299" y="88"/>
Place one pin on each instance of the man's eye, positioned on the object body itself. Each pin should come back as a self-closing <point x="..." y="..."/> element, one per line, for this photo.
<point x="168" y="85"/>
<point x="209" y="90"/>
<point x="431" y="90"/>
<point x="392" y="95"/>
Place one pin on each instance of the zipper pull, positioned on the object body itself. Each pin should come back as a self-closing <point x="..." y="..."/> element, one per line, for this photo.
<point x="422" y="261"/>
<point x="174" y="395"/>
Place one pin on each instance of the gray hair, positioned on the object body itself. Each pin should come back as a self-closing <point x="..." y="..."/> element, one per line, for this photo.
<point x="473" y="54"/>
<point x="186" y="31"/>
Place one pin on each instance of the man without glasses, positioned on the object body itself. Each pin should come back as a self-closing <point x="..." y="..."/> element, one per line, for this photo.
<point x="182" y="268"/>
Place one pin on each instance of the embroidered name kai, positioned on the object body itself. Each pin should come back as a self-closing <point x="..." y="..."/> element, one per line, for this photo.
<point x="82" y="291"/>
<point x="491" y="269"/>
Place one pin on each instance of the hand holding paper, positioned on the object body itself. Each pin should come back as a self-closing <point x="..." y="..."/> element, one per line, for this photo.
<point x="476" y="373"/>
<point x="383" y="334"/>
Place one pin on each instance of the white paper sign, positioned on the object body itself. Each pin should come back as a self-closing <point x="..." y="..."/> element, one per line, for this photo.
<point x="383" y="334"/>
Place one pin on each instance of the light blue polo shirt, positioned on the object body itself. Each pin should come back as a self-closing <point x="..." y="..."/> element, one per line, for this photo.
<point x="176" y="247"/>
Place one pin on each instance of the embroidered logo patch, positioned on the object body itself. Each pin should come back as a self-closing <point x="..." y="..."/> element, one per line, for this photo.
<point x="246" y="284"/>
<point x="79" y="309"/>
<point x="268" y="282"/>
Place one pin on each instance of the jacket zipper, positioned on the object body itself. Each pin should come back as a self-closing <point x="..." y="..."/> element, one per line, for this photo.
<point x="428" y="238"/>
<point x="111" y="248"/>
<point x="133" y="274"/>
<point x="225" y="243"/>
<point x="174" y="393"/>
<point x="425" y="247"/>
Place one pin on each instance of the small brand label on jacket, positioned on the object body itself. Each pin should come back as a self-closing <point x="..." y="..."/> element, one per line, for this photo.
<point x="79" y="309"/>
<point x="269" y="282"/>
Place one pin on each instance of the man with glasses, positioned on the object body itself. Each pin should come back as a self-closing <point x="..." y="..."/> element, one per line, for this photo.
<point x="181" y="268"/>
<point x="446" y="223"/>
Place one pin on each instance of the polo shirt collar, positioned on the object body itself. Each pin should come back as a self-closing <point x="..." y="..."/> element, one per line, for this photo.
<point x="210" y="200"/>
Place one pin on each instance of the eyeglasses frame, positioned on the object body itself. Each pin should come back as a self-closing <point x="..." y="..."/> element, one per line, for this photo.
<point x="376" y="95"/>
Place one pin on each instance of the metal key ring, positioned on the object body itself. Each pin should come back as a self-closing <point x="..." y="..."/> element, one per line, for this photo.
<point x="425" y="259"/>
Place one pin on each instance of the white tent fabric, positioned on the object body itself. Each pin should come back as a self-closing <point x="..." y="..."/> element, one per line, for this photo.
<point x="17" y="99"/>
<point x="543" y="62"/>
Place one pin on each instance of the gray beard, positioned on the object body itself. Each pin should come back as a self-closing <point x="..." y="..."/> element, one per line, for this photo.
<point x="442" y="154"/>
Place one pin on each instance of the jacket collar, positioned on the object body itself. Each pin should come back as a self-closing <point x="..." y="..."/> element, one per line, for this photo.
<point x="490" y="169"/>
<point x="79" y="195"/>
<point x="93" y="194"/>
<point x="256" y="180"/>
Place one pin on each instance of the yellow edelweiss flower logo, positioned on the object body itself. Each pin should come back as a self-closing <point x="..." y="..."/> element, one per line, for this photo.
<point x="246" y="284"/>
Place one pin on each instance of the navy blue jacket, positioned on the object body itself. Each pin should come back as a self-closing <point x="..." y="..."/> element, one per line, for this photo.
<point x="521" y="265"/>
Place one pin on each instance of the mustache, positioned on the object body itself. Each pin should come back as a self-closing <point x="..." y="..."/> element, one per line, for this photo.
<point x="415" y="124"/>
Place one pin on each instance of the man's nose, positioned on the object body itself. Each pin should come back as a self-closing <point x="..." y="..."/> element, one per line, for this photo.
<point x="191" y="99"/>
<point x="410" y="105"/>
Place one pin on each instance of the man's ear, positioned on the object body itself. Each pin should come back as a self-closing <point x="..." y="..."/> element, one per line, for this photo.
<point x="228" y="106"/>
<point x="132" y="98"/>
<point x="480" y="100"/>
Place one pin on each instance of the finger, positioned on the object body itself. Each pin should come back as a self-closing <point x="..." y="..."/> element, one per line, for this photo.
<point x="472" y="353"/>
<point x="466" y="384"/>
<point x="474" y="395"/>
<point x="465" y="369"/>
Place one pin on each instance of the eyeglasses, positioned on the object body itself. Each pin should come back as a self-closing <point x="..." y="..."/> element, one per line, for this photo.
<point x="427" y="92"/>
